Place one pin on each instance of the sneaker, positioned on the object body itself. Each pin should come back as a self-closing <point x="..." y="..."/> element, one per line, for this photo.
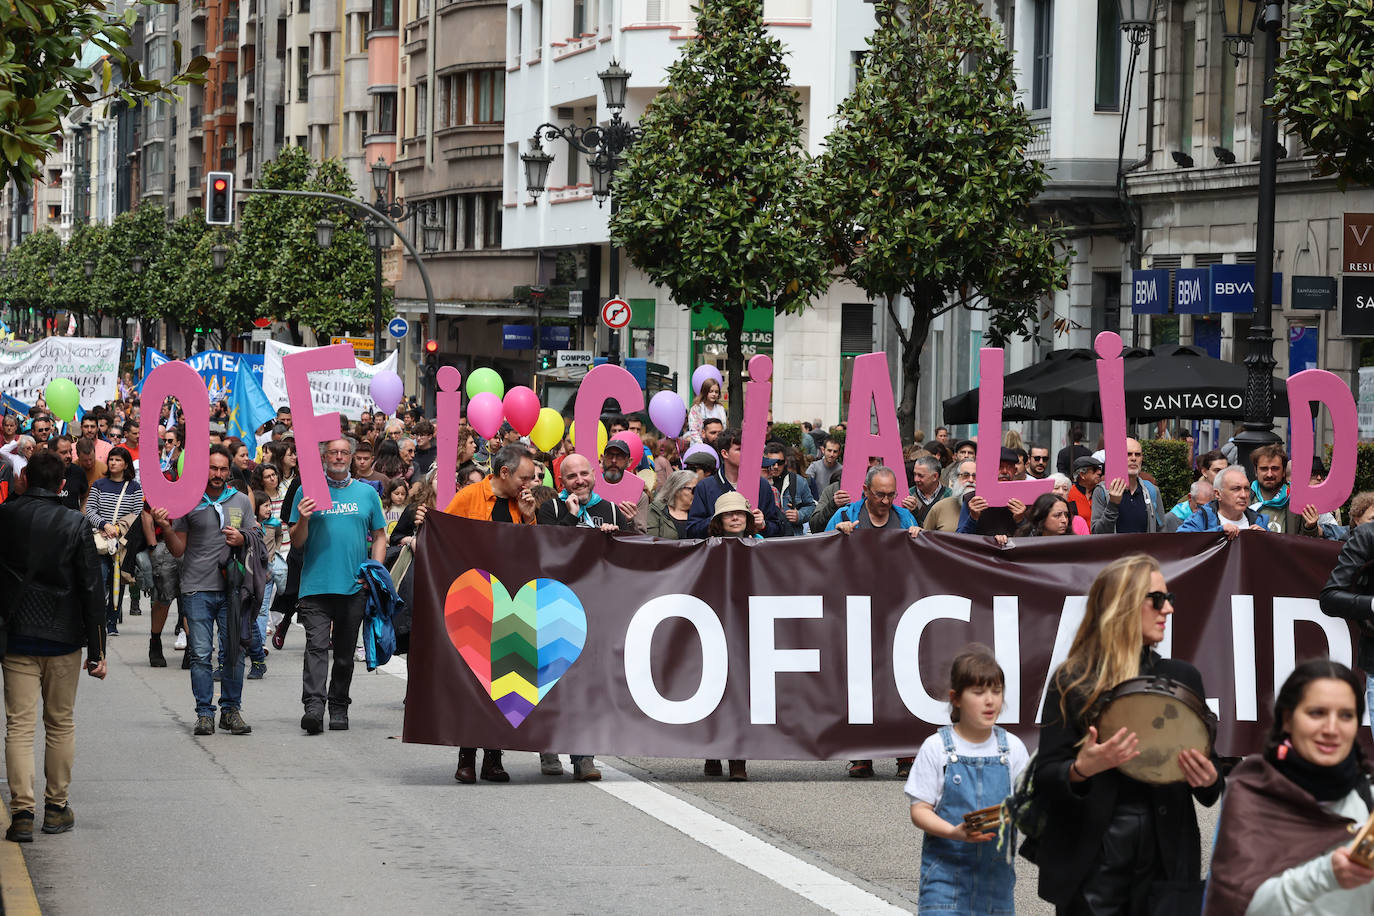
<point x="312" y="723"/>
<point x="180" y="644"/>
<point x="860" y="769"/>
<point x="257" y="670"/>
<point x="58" y="818"/>
<point x="231" y="721"/>
<point x="585" y="770"/>
<point x="205" y="725"/>
<point x="21" y="827"/>
<point x="360" y="655"/>
<point x="904" y="766"/>
<point x="111" y="630"/>
<point x="218" y="673"/>
<point x="279" y="637"/>
<point x="338" y="720"/>
<point x="550" y="765"/>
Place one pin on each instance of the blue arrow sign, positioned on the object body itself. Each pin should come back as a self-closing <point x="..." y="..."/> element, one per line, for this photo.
<point x="398" y="327"/>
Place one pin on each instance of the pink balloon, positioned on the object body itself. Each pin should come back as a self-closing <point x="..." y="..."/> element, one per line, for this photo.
<point x="522" y="409"/>
<point x="386" y="390"/>
<point x="485" y="414"/>
<point x="636" y="447"/>
<point x="702" y="373"/>
<point x="667" y="412"/>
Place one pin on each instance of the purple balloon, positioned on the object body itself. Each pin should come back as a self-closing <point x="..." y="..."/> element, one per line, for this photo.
<point x="701" y="448"/>
<point x="386" y="389"/>
<point x="667" y="412"/>
<point x="702" y="373"/>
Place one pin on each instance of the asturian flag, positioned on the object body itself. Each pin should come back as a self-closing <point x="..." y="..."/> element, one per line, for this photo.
<point x="248" y="406"/>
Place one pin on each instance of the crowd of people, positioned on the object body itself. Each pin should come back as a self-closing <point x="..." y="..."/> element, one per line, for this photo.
<point x="1120" y="846"/>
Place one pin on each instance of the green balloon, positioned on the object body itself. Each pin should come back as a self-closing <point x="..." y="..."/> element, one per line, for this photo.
<point x="485" y="379"/>
<point x="63" y="398"/>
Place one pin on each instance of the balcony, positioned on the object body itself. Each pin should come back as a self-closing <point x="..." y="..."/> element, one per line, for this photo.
<point x="226" y="159"/>
<point x="194" y="184"/>
<point x="197" y="51"/>
<point x="228" y="93"/>
<point x="197" y="10"/>
<point x="230" y="30"/>
<point x="247" y="77"/>
<point x="1040" y="142"/>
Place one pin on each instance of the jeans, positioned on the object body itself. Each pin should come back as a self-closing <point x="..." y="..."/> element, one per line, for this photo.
<point x="339" y="617"/>
<point x="275" y="585"/>
<point x="205" y="610"/>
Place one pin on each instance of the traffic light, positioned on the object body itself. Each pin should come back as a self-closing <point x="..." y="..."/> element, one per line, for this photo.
<point x="219" y="199"/>
<point x="431" y="377"/>
<point x="547" y="360"/>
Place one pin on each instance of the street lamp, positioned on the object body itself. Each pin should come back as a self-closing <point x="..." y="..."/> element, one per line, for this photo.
<point x="324" y="233"/>
<point x="1242" y="16"/>
<point x="219" y="255"/>
<point x="90" y="268"/>
<point x="603" y="147"/>
<point x="1136" y="19"/>
<point x="136" y="264"/>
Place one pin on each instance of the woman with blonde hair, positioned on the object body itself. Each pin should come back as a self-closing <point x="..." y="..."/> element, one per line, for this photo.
<point x="1120" y="845"/>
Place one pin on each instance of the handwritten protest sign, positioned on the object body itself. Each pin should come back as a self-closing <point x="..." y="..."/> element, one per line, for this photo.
<point x="91" y="363"/>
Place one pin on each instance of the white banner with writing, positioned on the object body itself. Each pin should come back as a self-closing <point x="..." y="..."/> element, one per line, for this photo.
<point x="344" y="390"/>
<point x="91" y="363"/>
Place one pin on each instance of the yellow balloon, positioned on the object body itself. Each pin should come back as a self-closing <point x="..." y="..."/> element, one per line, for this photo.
<point x="601" y="436"/>
<point x="548" y="430"/>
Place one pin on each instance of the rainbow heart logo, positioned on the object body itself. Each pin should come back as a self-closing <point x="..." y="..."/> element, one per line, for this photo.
<point x="518" y="645"/>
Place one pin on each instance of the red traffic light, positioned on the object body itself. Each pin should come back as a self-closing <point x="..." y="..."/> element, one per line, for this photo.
<point x="220" y="184"/>
<point x="431" y="346"/>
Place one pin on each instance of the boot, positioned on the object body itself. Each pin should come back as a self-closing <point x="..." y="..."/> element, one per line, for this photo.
<point x="737" y="773"/>
<point x="712" y="768"/>
<point x="492" y="771"/>
<point x="155" y="657"/>
<point x="550" y="765"/>
<point x="467" y="766"/>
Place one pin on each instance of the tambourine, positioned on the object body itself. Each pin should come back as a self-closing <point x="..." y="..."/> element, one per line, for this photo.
<point x="1167" y="717"/>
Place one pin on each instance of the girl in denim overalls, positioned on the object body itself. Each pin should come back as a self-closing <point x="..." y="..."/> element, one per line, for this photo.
<point x="963" y="767"/>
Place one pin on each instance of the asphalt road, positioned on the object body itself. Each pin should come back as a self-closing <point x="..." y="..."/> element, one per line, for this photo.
<point x="357" y="822"/>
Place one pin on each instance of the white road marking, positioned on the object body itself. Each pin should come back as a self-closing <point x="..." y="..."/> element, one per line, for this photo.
<point x="815" y="884"/>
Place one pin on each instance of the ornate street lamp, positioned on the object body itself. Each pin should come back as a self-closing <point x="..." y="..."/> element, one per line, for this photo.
<point x="615" y="81"/>
<point x="537" y="164"/>
<point x="381" y="177"/>
<point x="1239" y="18"/>
<point x="136" y="265"/>
<point x="324" y="233"/>
<point x="1136" y="19"/>
<point x="432" y="231"/>
<point x="219" y="255"/>
<point x="90" y="268"/>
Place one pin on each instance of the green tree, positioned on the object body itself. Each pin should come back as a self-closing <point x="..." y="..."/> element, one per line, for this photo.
<point x="281" y="272"/>
<point x="718" y="201"/>
<point x="138" y="233"/>
<point x="42" y="76"/>
<point x="178" y="275"/>
<point x="930" y="183"/>
<point x="1324" y="85"/>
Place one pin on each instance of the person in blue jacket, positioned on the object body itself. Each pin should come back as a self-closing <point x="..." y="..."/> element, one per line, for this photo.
<point x="877" y="509"/>
<point x="1231" y="512"/>
<point x="767" y="519"/>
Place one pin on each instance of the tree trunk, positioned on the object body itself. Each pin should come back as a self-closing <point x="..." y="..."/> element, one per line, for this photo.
<point x="734" y="363"/>
<point x="911" y="368"/>
<point x="294" y="327"/>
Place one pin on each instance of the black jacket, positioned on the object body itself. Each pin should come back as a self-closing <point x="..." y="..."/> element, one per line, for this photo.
<point x="37" y="528"/>
<point x="1080" y="812"/>
<point x="1349" y="594"/>
<point x="555" y="512"/>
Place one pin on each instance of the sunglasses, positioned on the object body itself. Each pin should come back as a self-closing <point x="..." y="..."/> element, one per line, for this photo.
<point x="1158" y="599"/>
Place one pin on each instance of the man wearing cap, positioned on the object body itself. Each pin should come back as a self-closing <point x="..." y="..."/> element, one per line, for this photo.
<point x="978" y="517"/>
<point x="768" y="521"/>
<point x="965" y="448"/>
<point x="1129" y="506"/>
<point x="702" y="463"/>
<point x="615" y="463"/>
<point x="1087" y="474"/>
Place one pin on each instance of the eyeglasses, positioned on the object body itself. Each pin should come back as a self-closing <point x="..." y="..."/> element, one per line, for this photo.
<point x="338" y="451"/>
<point x="1039" y="457"/>
<point x="883" y="497"/>
<point x="1158" y="599"/>
<point x="968" y="475"/>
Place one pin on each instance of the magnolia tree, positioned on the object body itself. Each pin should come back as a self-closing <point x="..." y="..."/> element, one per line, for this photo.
<point x="719" y="202"/>
<point x="930" y="183"/>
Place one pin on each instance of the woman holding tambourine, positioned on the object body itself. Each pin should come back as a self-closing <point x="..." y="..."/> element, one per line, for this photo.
<point x="1119" y="845"/>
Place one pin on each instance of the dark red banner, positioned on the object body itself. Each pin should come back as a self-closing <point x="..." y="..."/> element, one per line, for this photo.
<point x="812" y="648"/>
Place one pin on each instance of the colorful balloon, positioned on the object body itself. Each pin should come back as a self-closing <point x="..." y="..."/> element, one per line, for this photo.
<point x="701" y="448"/>
<point x="386" y="390"/>
<point x="602" y="437"/>
<point x="548" y="430"/>
<point x="522" y="409"/>
<point x="485" y="414"/>
<point x="63" y="398"/>
<point x="485" y="379"/>
<point x="636" y="446"/>
<point x="667" y="412"/>
<point x="702" y="373"/>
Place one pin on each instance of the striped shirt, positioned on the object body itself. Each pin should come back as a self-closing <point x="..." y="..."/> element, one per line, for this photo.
<point x="104" y="505"/>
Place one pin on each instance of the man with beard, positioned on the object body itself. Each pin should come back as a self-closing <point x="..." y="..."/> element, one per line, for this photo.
<point x="980" y="518"/>
<point x="825" y="469"/>
<point x="615" y="463"/>
<point x="944" y="515"/>
<point x="332" y="601"/>
<point x="41" y="430"/>
<point x="73" y="493"/>
<point x="1038" y="462"/>
<point x="1269" y="494"/>
<point x="86" y="460"/>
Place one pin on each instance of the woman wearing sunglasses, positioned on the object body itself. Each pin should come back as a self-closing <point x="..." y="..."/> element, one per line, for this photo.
<point x="1118" y="845"/>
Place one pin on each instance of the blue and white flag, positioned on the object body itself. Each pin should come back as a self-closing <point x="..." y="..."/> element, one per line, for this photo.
<point x="249" y="408"/>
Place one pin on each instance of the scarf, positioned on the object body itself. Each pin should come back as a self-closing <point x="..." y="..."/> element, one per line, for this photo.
<point x="1278" y="502"/>
<point x="582" y="517"/>
<point x="207" y="503"/>
<point x="1322" y="783"/>
<point x="338" y="484"/>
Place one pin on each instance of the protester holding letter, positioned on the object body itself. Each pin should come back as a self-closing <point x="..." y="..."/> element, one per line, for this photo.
<point x="1128" y="505"/>
<point x="876" y="509"/>
<point x="1112" y="844"/>
<point x="1283" y="842"/>
<point x="1231" y="512"/>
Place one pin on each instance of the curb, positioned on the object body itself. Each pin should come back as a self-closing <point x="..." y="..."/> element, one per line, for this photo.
<point x="17" y="897"/>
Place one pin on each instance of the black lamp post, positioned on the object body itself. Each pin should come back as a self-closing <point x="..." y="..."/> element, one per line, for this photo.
<point x="1242" y="18"/>
<point x="379" y="237"/>
<point x="603" y="147"/>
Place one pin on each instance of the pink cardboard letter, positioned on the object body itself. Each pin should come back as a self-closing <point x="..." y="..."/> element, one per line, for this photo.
<point x="180" y="381"/>
<point x="603" y="382"/>
<point x="1320" y="386"/>
<point x="310" y="428"/>
<point x="997" y="492"/>
<point x="1111" y="394"/>
<point x="758" y="396"/>
<point x="870" y="392"/>
<point x="448" y="405"/>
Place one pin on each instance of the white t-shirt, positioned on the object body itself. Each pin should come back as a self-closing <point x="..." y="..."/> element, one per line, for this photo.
<point x="927" y="780"/>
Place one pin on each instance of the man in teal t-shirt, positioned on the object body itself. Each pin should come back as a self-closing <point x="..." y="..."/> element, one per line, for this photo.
<point x="331" y="596"/>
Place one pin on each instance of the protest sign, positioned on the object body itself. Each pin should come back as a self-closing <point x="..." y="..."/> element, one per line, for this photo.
<point x="343" y="390"/>
<point x="217" y="367"/>
<point x="91" y="363"/>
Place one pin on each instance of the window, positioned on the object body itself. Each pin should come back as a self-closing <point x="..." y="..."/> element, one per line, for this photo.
<point x="468" y="204"/>
<point x="491" y="219"/>
<point x="303" y="6"/>
<point x="279" y="124"/>
<point x="1185" y="114"/>
<point x="1042" y="53"/>
<point x="384" y="106"/>
<point x="579" y="23"/>
<point x="453" y="94"/>
<point x="421" y="108"/>
<point x="1108" y="89"/>
<point x="517" y="17"/>
<point x="856" y="68"/>
<point x="490" y="103"/>
<point x="856" y="339"/>
<point x="326" y="54"/>
<point x="281" y="37"/>
<point x="574" y="166"/>
<point x="384" y="14"/>
<point x="302" y="73"/>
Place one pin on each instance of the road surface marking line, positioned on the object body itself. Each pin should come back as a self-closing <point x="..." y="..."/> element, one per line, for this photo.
<point x="16" y="886"/>
<point x="817" y="885"/>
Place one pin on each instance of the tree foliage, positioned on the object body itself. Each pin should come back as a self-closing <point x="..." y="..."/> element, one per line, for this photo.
<point x="930" y="184"/>
<point x="719" y="201"/>
<point x="42" y="76"/>
<point x="1324" y="85"/>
